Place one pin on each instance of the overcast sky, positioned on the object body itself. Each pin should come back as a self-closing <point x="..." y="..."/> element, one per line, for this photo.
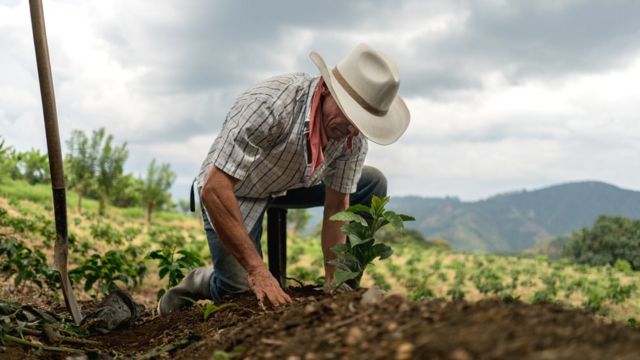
<point x="504" y="95"/>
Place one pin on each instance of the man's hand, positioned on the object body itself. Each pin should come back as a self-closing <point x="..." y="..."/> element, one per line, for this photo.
<point x="263" y="284"/>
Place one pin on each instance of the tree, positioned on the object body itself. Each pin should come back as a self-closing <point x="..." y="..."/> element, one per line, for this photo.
<point x="126" y="191"/>
<point x="155" y="190"/>
<point x="610" y="239"/>
<point x="95" y="166"/>
<point x="81" y="162"/>
<point x="34" y="167"/>
<point x="110" y="168"/>
<point x="8" y="162"/>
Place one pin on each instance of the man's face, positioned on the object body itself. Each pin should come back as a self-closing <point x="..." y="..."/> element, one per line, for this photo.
<point x="336" y="124"/>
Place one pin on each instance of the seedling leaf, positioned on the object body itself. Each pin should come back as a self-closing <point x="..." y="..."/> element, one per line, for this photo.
<point x="359" y="208"/>
<point x="212" y="308"/>
<point x="341" y="276"/>
<point x="381" y="250"/>
<point x="348" y="216"/>
<point x="394" y="219"/>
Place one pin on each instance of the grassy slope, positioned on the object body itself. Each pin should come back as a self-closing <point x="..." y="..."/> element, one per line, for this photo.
<point x="413" y="270"/>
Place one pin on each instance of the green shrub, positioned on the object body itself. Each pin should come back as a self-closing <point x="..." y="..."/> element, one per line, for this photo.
<point x="106" y="271"/>
<point x="26" y="264"/>
<point x="610" y="239"/>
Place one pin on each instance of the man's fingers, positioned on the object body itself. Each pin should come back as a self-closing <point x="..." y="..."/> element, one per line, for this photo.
<point x="284" y="298"/>
<point x="287" y="297"/>
<point x="278" y="297"/>
<point x="266" y="287"/>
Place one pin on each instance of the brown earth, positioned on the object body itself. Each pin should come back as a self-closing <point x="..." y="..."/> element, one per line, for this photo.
<point x="320" y="326"/>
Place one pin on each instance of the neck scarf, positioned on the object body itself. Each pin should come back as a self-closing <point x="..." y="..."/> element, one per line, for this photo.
<point x="317" y="137"/>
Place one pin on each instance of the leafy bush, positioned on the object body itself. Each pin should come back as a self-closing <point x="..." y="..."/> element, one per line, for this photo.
<point x="361" y="247"/>
<point x="610" y="239"/>
<point x="28" y="265"/>
<point x="106" y="233"/>
<point x="124" y="266"/>
<point x="487" y="281"/>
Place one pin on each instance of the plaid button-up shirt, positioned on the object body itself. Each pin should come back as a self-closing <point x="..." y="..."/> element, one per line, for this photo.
<point x="263" y="144"/>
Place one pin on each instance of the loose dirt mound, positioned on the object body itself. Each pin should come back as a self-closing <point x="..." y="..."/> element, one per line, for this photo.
<point x="319" y="326"/>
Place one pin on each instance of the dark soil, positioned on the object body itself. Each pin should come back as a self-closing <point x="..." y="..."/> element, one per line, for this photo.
<point x="319" y="326"/>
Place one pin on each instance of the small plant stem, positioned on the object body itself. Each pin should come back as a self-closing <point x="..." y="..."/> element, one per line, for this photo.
<point x="273" y="342"/>
<point x="166" y="348"/>
<point x="43" y="347"/>
<point x="54" y="337"/>
<point x="296" y="280"/>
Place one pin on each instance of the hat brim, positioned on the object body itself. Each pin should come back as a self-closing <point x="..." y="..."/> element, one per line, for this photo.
<point x="383" y="130"/>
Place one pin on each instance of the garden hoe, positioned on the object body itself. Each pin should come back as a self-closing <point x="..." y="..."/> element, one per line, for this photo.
<point x="55" y="155"/>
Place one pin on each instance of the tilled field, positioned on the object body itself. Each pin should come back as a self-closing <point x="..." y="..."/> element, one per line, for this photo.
<point x="319" y="326"/>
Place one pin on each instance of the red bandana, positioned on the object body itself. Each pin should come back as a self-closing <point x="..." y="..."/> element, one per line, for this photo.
<point x="317" y="138"/>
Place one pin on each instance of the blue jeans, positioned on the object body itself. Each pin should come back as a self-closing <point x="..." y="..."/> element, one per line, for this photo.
<point x="229" y="277"/>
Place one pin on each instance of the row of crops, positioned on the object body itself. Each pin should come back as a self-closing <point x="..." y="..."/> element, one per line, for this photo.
<point x="105" y="252"/>
<point x="120" y="250"/>
<point x="433" y="273"/>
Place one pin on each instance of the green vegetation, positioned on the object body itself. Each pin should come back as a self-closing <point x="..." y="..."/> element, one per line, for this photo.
<point x="361" y="247"/>
<point x="94" y="169"/>
<point x="155" y="189"/>
<point x="612" y="240"/>
<point x="114" y="250"/>
<point x="172" y="266"/>
<point x="106" y="252"/>
<point x="208" y="308"/>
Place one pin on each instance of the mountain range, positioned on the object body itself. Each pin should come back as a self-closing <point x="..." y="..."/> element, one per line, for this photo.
<point x="515" y="221"/>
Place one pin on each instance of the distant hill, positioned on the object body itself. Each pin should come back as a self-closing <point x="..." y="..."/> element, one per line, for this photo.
<point x="516" y="221"/>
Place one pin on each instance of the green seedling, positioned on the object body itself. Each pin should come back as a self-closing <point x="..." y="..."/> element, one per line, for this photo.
<point x="208" y="308"/>
<point x="361" y="247"/>
<point x="172" y="266"/>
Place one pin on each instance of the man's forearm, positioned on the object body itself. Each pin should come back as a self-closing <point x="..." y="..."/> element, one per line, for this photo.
<point x="223" y="209"/>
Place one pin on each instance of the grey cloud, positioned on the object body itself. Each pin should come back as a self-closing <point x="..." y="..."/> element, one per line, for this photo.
<point x="220" y="46"/>
<point x="216" y="44"/>
<point x="525" y="40"/>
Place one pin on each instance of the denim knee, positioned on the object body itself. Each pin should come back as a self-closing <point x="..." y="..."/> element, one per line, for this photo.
<point x="376" y="179"/>
<point x="372" y="182"/>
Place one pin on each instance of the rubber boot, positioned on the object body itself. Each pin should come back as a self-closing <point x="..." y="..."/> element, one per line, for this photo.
<point x="194" y="286"/>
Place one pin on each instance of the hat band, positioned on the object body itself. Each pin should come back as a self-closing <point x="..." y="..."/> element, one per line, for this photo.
<point x="359" y="99"/>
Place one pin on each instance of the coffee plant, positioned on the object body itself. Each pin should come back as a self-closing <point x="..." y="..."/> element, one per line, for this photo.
<point x="106" y="271"/>
<point x="361" y="247"/>
<point x="26" y="264"/>
<point x="174" y="264"/>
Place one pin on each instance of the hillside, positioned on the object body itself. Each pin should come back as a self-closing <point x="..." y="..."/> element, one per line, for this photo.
<point x="515" y="221"/>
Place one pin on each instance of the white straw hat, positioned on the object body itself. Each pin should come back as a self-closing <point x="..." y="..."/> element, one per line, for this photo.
<point x="365" y="86"/>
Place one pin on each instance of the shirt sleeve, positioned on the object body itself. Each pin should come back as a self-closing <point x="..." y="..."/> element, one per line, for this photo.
<point x="249" y="129"/>
<point x="348" y="167"/>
